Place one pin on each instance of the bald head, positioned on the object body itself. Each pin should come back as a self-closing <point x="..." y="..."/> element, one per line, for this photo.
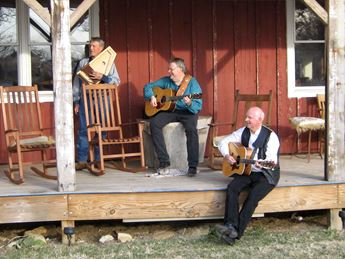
<point x="254" y="118"/>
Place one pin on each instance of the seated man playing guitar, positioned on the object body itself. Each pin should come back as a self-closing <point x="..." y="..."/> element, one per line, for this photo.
<point x="185" y="110"/>
<point x="259" y="182"/>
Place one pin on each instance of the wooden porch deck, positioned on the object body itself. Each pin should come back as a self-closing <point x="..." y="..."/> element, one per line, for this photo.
<point x="136" y="197"/>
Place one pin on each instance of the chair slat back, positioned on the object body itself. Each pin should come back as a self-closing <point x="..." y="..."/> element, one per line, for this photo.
<point x="99" y="100"/>
<point x="321" y="103"/>
<point x="21" y="109"/>
<point x="244" y="101"/>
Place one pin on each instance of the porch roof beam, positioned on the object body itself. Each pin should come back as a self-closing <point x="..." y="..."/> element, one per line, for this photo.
<point x="39" y="10"/>
<point x="79" y="12"/>
<point x="317" y="9"/>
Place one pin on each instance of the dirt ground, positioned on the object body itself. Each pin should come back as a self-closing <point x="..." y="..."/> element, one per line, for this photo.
<point x="92" y="231"/>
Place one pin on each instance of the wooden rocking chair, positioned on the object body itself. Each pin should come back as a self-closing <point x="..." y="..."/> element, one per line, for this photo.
<point x="105" y="130"/>
<point x="242" y="103"/>
<point x="21" y="114"/>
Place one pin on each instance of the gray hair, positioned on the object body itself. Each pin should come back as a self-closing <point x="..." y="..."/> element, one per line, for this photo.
<point x="99" y="40"/>
<point x="180" y="63"/>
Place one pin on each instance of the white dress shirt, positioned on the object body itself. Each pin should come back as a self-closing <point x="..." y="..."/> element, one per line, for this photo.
<point x="235" y="137"/>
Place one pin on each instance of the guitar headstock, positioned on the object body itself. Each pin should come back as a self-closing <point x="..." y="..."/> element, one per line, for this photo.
<point x="196" y="96"/>
<point x="266" y="164"/>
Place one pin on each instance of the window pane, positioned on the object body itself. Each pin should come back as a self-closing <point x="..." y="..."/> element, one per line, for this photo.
<point x="81" y="30"/>
<point x="8" y="65"/>
<point x="310" y="64"/>
<point x="8" y="33"/>
<point x="41" y="63"/>
<point x="39" y="30"/>
<point x="308" y="25"/>
<point x="78" y="52"/>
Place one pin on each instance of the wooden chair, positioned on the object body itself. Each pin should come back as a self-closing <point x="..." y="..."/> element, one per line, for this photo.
<point x="105" y="129"/>
<point x="321" y="104"/>
<point x="24" y="132"/>
<point x="242" y="103"/>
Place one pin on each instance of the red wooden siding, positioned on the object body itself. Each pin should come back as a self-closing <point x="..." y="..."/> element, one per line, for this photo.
<point x="227" y="45"/>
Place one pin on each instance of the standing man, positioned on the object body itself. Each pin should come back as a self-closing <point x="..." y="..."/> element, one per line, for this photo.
<point x="186" y="111"/>
<point x="265" y="145"/>
<point x="96" y="46"/>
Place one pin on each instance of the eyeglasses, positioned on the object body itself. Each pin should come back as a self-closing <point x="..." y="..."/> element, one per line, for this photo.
<point x="172" y="68"/>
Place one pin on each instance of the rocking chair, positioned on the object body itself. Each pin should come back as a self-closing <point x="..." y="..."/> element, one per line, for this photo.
<point x="24" y="132"/>
<point x="242" y="103"/>
<point x="105" y="130"/>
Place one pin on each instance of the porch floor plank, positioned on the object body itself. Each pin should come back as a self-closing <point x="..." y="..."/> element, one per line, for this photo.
<point x="295" y="171"/>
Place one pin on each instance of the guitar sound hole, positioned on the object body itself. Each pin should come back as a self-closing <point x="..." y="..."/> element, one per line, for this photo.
<point x="163" y="99"/>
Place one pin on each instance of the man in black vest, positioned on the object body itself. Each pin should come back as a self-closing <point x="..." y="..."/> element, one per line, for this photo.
<point x="265" y="145"/>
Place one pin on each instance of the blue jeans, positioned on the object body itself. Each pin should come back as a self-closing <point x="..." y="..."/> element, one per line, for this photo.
<point x="82" y="141"/>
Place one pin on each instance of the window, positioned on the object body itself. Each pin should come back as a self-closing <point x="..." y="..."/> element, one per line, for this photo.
<point x="26" y="46"/>
<point x="306" y="51"/>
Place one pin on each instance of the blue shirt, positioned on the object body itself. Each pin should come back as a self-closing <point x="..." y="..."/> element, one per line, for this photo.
<point x="192" y="88"/>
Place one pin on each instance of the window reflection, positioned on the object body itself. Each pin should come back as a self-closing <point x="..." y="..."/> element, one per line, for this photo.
<point x="8" y="65"/>
<point x="310" y="64"/>
<point x="8" y="33"/>
<point x="308" y="25"/>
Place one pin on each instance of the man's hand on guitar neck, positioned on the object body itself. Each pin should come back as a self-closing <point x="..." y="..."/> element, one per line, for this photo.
<point x="230" y="159"/>
<point x="153" y="101"/>
<point x="187" y="100"/>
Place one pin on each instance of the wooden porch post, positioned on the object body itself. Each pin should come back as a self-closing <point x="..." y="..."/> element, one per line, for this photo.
<point x="63" y="103"/>
<point x="335" y="100"/>
<point x="336" y="91"/>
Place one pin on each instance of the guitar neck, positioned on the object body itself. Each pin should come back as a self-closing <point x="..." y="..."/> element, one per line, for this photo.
<point x="247" y="161"/>
<point x="176" y="98"/>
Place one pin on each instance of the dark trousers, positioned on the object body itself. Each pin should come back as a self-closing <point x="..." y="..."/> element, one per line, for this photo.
<point x="189" y="122"/>
<point x="258" y="188"/>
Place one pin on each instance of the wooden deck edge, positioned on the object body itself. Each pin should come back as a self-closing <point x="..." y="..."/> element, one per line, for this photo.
<point x="161" y="206"/>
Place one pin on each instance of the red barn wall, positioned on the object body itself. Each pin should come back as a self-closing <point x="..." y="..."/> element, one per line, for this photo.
<point x="227" y="45"/>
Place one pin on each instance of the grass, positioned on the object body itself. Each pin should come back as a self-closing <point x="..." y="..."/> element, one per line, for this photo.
<point x="261" y="240"/>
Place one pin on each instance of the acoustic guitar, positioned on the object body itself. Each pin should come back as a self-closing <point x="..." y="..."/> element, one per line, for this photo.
<point x="243" y="163"/>
<point x="166" y="100"/>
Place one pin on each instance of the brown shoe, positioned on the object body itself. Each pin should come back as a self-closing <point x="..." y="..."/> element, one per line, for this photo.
<point x="80" y="166"/>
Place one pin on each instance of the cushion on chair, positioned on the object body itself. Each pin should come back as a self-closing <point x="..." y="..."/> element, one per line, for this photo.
<point x="40" y="141"/>
<point x="304" y="124"/>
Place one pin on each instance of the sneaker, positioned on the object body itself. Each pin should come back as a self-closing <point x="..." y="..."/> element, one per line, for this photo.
<point x="191" y="171"/>
<point x="163" y="171"/>
<point x="80" y="166"/>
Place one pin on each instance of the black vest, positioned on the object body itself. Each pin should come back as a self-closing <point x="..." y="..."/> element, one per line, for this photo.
<point x="260" y="144"/>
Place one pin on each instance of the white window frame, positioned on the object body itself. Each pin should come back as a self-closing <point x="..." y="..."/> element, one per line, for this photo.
<point x="293" y="90"/>
<point x="24" y="56"/>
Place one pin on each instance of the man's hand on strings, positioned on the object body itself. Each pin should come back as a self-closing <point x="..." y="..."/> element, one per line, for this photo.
<point x="230" y="159"/>
<point x="153" y="101"/>
<point x="187" y="100"/>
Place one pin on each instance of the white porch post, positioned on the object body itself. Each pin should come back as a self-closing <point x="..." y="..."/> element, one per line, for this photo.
<point x="63" y="103"/>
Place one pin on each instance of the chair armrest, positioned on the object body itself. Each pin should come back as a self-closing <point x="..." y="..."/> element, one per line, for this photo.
<point x="220" y="124"/>
<point x="11" y="131"/>
<point x="129" y="123"/>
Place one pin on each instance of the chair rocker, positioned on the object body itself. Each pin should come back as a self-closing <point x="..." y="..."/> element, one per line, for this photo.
<point x="24" y="132"/>
<point x="242" y="103"/>
<point x="105" y="130"/>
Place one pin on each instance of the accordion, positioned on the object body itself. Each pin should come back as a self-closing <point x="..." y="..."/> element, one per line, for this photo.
<point x="102" y="64"/>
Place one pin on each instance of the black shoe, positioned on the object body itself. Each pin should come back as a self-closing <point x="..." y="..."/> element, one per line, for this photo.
<point x="191" y="171"/>
<point x="228" y="240"/>
<point x="228" y="230"/>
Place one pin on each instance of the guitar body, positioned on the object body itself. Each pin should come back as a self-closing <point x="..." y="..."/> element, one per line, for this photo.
<point x="166" y="100"/>
<point x="163" y="103"/>
<point x="238" y="151"/>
